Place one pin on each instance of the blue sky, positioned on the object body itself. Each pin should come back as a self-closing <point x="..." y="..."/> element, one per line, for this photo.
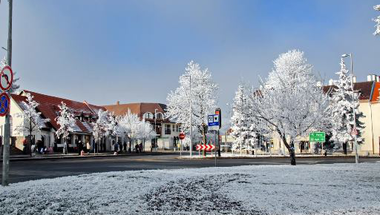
<point x="134" y="51"/>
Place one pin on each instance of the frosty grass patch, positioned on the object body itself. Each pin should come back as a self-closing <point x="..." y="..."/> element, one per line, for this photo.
<point x="309" y="189"/>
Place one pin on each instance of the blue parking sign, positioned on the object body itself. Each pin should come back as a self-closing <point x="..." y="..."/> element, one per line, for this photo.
<point x="4" y="104"/>
<point x="213" y="120"/>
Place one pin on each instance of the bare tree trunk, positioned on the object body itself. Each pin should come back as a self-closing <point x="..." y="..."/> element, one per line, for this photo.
<point x="292" y="156"/>
<point x="290" y="148"/>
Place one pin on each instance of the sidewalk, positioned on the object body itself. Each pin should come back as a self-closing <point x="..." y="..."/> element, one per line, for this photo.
<point x="245" y="156"/>
<point x="76" y="156"/>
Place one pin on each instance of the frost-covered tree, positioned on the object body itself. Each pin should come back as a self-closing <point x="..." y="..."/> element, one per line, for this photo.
<point x="290" y="102"/>
<point x="377" y="20"/>
<point x="196" y="90"/>
<point x="344" y="102"/>
<point x="32" y="120"/>
<point x="144" y="131"/>
<point x="242" y="120"/>
<point x="129" y="123"/>
<point x="66" y="122"/>
<point x="112" y="127"/>
<point x="100" y="126"/>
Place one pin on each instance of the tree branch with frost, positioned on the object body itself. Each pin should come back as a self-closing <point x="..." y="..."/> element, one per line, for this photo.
<point x="32" y="120"/>
<point x="344" y="102"/>
<point x="99" y="126"/>
<point x="377" y="20"/>
<point x="290" y="102"/>
<point x="65" y="120"/>
<point x="201" y="95"/>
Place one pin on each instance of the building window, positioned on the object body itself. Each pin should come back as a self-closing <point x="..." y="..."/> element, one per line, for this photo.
<point x="159" y="115"/>
<point x="148" y="115"/>
<point x="167" y="129"/>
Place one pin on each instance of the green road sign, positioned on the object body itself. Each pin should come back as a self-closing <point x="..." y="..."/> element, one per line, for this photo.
<point x="317" y="137"/>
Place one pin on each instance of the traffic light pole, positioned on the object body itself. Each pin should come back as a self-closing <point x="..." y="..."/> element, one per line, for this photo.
<point x="7" y="132"/>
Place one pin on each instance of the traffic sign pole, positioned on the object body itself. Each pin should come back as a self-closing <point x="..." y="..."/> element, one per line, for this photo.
<point x="181" y="137"/>
<point x="6" y="146"/>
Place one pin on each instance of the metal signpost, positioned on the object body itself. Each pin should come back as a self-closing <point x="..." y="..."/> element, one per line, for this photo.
<point x="6" y="79"/>
<point x="214" y="124"/>
<point x="181" y="137"/>
<point x="7" y="127"/>
<point x="218" y="112"/>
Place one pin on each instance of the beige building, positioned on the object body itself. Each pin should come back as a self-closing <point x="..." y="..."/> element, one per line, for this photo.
<point x="369" y="105"/>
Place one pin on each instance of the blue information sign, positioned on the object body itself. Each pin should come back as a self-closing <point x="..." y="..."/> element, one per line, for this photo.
<point x="4" y="104"/>
<point x="213" y="120"/>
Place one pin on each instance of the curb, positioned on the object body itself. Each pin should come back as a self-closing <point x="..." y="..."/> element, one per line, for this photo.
<point x="85" y="157"/>
<point x="276" y="157"/>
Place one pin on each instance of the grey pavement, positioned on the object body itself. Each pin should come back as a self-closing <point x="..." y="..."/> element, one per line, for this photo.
<point x="32" y="169"/>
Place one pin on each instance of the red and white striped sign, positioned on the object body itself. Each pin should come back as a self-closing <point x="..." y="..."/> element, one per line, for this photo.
<point x="205" y="147"/>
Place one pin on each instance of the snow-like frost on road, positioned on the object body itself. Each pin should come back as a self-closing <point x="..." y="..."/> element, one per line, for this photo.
<point x="317" y="189"/>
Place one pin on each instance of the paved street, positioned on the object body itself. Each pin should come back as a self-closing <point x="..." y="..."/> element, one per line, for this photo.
<point x="51" y="168"/>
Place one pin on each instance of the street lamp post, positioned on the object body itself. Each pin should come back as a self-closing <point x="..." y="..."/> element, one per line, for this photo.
<point x="191" y="118"/>
<point x="191" y="121"/>
<point x="354" y="130"/>
<point x="155" y="126"/>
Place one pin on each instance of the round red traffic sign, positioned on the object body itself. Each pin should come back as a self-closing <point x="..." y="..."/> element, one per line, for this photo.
<point x="182" y="136"/>
<point x="6" y="78"/>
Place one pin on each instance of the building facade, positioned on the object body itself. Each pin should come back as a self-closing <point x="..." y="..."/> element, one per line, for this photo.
<point x="84" y="114"/>
<point x="166" y="130"/>
<point x="369" y="105"/>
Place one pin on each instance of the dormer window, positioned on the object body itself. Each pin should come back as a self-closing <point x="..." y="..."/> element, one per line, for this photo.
<point x="159" y="115"/>
<point x="148" y="115"/>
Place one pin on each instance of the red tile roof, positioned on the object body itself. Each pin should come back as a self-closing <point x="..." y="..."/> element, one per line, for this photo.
<point x="365" y="89"/>
<point x="49" y="108"/>
<point x="137" y="108"/>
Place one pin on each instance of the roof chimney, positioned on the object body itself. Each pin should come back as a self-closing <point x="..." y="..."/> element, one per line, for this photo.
<point x="369" y="77"/>
<point x="331" y="82"/>
<point x="372" y="77"/>
<point x="377" y="79"/>
<point x="354" y="79"/>
<point x="118" y="103"/>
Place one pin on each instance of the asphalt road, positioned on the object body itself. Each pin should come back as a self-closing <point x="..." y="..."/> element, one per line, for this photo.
<point x="51" y="168"/>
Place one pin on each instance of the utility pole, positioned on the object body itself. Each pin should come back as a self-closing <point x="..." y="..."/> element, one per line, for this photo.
<point x="7" y="132"/>
<point x="355" y="130"/>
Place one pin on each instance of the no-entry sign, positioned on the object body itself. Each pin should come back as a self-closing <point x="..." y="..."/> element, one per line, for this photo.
<point x="182" y="136"/>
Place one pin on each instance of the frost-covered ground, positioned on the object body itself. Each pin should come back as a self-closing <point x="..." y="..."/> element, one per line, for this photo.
<point x="311" y="189"/>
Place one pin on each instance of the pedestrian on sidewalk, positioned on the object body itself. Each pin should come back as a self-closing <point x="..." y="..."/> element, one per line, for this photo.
<point x="88" y="146"/>
<point x="116" y="148"/>
<point x="79" y="147"/>
<point x="40" y="146"/>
